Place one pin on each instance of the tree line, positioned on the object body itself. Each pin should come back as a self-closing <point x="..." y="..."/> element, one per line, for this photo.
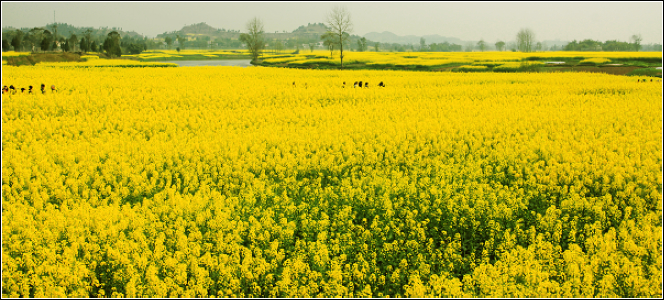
<point x="41" y="39"/>
<point x="340" y="39"/>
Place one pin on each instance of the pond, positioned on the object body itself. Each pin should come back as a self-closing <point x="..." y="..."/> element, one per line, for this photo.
<point x="222" y="63"/>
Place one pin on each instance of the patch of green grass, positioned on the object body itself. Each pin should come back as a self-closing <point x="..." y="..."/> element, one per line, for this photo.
<point x="652" y="72"/>
<point x="638" y="63"/>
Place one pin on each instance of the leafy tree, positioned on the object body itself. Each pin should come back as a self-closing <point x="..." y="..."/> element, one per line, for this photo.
<point x="181" y="40"/>
<point x="329" y="41"/>
<point x="17" y="41"/>
<point x="135" y="48"/>
<point x="311" y="46"/>
<point x="93" y="46"/>
<point x="422" y="44"/>
<point x="34" y="37"/>
<point x="636" y="39"/>
<point x="5" y="45"/>
<point x="88" y="37"/>
<point x="362" y="44"/>
<point x="168" y="41"/>
<point x="500" y="46"/>
<point x="112" y="44"/>
<point x="481" y="44"/>
<point x="254" y="37"/>
<point x="340" y="26"/>
<point x="614" y="45"/>
<point x="73" y="40"/>
<point x="376" y="45"/>
<point x="525" y="39"/>
<point x="47" y="39"/>
<point x="65" y="46"/>
<point x="84" y="44"/>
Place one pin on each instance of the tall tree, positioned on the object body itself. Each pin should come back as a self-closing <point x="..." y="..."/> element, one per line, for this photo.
<point x="112" y="44"/>
<point x="47" y="39"/>
<point x="65" y="46"/>
<point x="254" y="38"/>
<point x="637" y="41"/>
<point x="181" y="40"/>
<point x="376" y="45"/>
<point x="525" y="39"/>
<point x="34" y="37"/>
<point x="87" y="34"/>
<point x="73" y="40"/>
<point x="362" y="44"/>
<point x="500" y="45"/>
<point x="17" y="41"/>
<point x="481" y="44"/>
<point x="340" y="27"/>
<point x="168" y="41"/>
<point x="423" y="44"/>
<point x="84" y="44"/>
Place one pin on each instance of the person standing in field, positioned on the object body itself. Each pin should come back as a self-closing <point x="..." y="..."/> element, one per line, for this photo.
<point x="43" y="88"/>
<point x="53" y="88"/>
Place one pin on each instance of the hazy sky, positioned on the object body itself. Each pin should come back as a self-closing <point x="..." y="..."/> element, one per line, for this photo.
<point x="469" y="21"/>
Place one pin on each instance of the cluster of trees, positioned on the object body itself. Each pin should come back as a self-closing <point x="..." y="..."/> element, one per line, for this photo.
<point x="611" y="45"/>
<point x="41" y="39"/>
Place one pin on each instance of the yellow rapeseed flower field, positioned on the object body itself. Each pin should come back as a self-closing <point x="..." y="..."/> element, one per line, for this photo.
<point x="266" y="182"/>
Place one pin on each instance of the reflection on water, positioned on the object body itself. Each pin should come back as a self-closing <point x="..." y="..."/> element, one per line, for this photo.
<point x="222" y="63"/>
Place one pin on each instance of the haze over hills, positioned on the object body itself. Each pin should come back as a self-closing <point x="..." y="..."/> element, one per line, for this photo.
<point x="202" y="35"/>
<point x="389" y="37"/>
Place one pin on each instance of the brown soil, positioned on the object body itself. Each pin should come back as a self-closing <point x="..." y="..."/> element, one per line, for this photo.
<point x="42" y="57"/>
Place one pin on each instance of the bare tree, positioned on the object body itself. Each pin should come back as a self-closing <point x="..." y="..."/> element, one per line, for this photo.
<point x="340" y="27"/>
<point x="254" y="37"/>
<point x="525" y="39"/>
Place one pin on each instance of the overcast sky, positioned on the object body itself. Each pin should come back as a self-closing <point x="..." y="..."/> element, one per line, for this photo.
<point x="469" y="21"/>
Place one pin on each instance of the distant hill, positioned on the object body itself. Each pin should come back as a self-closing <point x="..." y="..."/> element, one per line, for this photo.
<point x="200" y="28"/>
<point x="318" y="28"/>
<point x="389" y="37"/>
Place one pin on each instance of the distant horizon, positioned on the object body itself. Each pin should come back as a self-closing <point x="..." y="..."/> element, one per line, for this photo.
<point x="490" y="21"/>
<point x="367" y="34"/>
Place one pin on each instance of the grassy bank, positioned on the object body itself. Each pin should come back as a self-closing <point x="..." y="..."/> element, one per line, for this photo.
<point x="618" y="63"/>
